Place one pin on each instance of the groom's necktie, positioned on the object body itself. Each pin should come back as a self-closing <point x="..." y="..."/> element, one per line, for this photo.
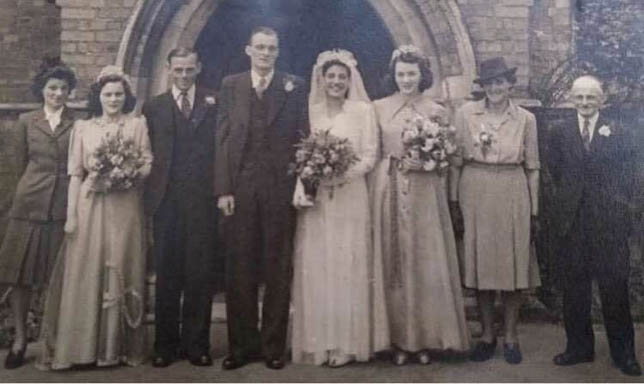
<point x="261" y="87"/>
<point x="186" y="108"/>
<point x="585" y="134"/>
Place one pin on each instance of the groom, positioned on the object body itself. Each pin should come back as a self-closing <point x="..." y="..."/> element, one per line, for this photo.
<point x="262" y="114"/>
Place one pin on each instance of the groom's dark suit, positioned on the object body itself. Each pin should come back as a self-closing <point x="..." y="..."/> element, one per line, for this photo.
<point x="593" y="190"/>
<point x="178" y="195"/>
<point x="255" y="143"/>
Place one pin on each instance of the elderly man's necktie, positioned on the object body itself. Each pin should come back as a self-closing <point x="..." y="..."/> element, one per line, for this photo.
<point x="585" y="134"/>
<point x="186" y="108"/>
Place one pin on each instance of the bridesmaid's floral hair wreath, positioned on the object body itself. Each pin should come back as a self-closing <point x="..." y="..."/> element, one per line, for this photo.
<point x="109" y="74"/>
<point x="113" y="71"/>
<point x="406" y="49"/>
<point x="341" y="55"/>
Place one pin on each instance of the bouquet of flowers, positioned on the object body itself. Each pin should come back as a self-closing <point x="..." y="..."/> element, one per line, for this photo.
<point x="321" y="156"/>
<point x="428" y="140"/>
<point x="115" y="164"/>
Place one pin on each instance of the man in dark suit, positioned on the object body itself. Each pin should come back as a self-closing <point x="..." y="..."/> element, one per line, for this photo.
<point x="592" y="168"/>
<point x="178" y="196"/>
<point x="262" y="115"/>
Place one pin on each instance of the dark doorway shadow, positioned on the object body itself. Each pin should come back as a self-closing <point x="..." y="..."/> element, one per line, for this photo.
<point x="306" y="28"/>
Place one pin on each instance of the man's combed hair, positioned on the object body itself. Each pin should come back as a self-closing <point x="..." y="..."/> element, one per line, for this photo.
<point x="181" y="52"/>
<point x="262" y="29"/>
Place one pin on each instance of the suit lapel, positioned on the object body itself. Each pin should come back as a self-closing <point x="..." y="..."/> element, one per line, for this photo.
<point x="242" y="99"/>
<point x="167" y="112"/>
<point x="575" y="137"/>
<point x="275" y="97"/>
<point x="41" y="123"/>
<point x="66" y="122"/>
<point x="200" y="108"/>
<point x="598" y="139"/>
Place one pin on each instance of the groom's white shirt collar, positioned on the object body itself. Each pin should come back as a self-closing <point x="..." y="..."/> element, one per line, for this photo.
<point x="255" y="77"/>
<point x="176" y="95"/>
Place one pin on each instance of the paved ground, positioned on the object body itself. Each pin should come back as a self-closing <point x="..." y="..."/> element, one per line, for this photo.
<point x="539" y="342"/>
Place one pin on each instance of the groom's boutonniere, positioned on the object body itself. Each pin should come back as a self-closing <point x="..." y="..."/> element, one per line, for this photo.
<point x="604" y="130"/>
<point x="210" y="100"/>
<point x="289" y="83"/>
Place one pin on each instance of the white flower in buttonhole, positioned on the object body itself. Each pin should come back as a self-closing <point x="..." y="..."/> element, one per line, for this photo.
<point x="605" y="131"/>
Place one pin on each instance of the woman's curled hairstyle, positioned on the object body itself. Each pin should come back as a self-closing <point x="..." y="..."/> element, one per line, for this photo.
<point x="410" y="57"/>
<point x="94" y="97"/>
<point x="52" y="67"/>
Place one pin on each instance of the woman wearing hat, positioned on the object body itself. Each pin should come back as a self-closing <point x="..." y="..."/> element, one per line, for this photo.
<point x="94" y="307"/>
<point x="496" y="186"/>
<point x="37" y="215"/>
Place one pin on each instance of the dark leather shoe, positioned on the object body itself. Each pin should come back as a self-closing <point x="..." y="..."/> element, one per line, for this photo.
<point x="569" y="358"/>
<point x="512" y="353"/>
<point x="201" y="361"/>
<point x="483" y="351"/>
<point x="631" y="367"/>
<point x="232" y="362"/>
<point x="275" y="363"/>
<point x="161" y="361"/>
<point x="15" y="359"/>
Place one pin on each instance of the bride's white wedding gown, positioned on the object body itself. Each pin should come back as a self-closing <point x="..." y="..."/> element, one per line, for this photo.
<point x="338" y="301"/>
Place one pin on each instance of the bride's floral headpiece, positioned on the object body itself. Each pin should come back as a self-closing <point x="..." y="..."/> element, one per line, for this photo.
<point x="342" y="55"/>
<point x="405" y="49"/>
<point x="113" y="70"/>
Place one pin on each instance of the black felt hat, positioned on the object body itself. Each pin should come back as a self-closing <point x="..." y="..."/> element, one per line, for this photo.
<point x="492" y="68"/>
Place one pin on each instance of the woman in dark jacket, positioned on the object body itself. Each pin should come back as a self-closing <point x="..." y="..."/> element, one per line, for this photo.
<point x="37" y="215"/>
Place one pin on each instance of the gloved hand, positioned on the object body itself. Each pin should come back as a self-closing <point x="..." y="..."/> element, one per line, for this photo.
<point x="457" y="219"/>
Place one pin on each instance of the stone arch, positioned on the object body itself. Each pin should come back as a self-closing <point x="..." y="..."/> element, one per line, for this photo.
<point x="156" y="26"/>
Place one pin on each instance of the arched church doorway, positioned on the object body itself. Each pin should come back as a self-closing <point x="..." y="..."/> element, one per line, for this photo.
<point x="369" y="28"/>
<point x="306" y="28"/>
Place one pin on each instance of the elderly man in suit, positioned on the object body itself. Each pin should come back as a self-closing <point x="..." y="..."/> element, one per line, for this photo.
<point x="178" y="197"/>
<point x="263" y="113"/>
<point x="592" y="168"/>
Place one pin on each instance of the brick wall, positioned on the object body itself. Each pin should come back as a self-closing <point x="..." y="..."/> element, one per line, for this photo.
<point x="551" y="36"/>
<point x="531" y="34"/>
<point x="91" y="35"/>
<point x="29" y="30"/>
<point x="500" y="28"/>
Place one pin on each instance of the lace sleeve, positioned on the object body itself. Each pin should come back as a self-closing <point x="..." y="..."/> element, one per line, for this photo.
<point x="368" y="144"/>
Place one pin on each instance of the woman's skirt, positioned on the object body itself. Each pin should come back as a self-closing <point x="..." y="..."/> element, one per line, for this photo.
<point x="28" y="252"/>
<point x="495" y="201"/>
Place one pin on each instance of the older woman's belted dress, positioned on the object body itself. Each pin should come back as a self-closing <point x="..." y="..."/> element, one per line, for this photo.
<point x="494" y="197"/>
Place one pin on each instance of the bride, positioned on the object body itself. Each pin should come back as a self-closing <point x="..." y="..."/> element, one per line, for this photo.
<point x="338" y="312"/>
